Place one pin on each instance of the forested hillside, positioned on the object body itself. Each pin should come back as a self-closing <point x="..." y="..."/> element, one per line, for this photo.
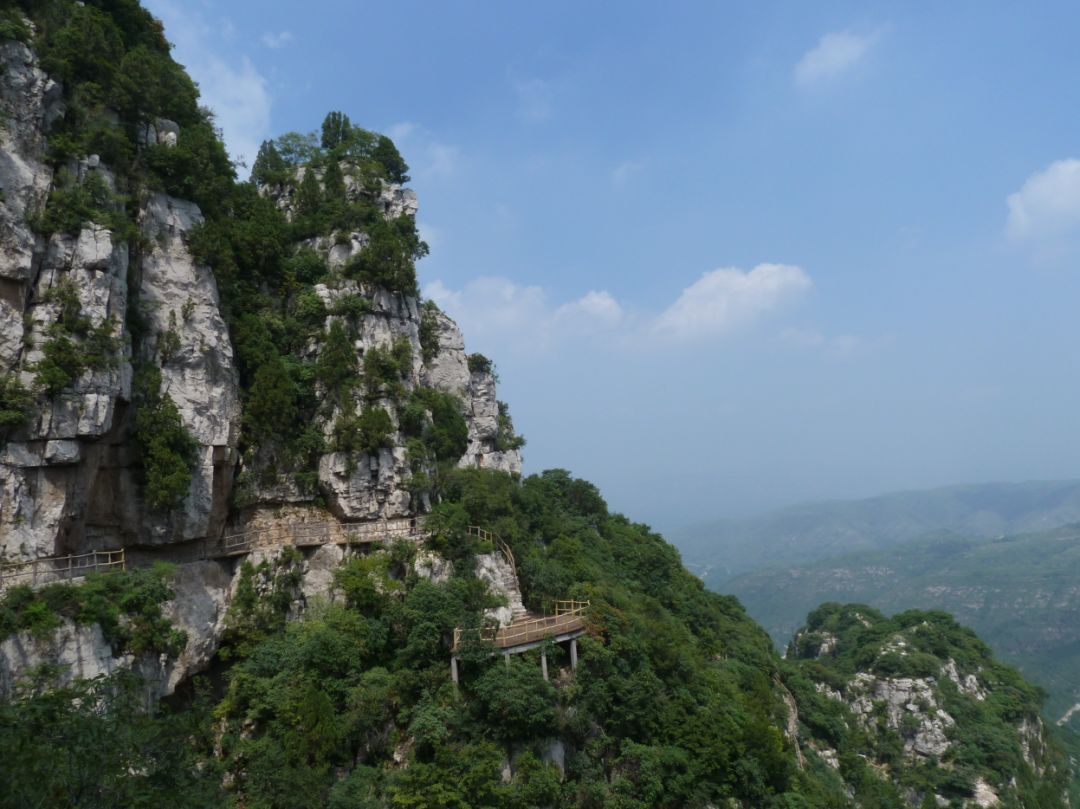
<point x="316" y="501"/>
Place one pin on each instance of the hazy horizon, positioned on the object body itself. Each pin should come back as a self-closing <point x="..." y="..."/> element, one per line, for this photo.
<point x="726" y="259"/>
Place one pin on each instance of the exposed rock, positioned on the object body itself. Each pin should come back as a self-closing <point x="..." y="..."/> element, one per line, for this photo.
<point x="75" y="651"/>
<point x="318" y="572"/>
<point x="432" y="566"/>
<point x="29" y="103"/>
<point x="905" y="698"/>
<point x="482" y="415"/>
<point x="179" y="298"/>
<point x="198" y="608"/>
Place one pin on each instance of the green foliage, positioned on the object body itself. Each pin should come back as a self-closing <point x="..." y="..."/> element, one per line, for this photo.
<point x="337" y="367"/>
<point x="505" y="437"/>
<point x="127" y="605"/>
<point x="436" y="418"/>
<point x="167" y="451"/>
<point x="74" y="344"/>
<point x="269" y="167"/>
<point x="73" y="205"/>
<point x="369" y="432"/>
<point x="429" y="330"/>
<point x="336" y="130"/>
<point x="16" y="404"/>
<point x="479" y="364"/>
<point x="387" y="367"/>
<point x="388" y="259"/>
<point x="93" y="744"/>
<point x="984" y="740"/>
<point x="13" y="25"/>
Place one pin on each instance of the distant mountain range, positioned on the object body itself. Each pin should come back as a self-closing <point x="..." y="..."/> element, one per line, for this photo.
<point x="1003" y="558"/>
<point x="1020" y="593"/>
<point x="720" y="550"/>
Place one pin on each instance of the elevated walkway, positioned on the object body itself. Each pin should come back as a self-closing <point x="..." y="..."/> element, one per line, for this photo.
<point x="47" y="570"/>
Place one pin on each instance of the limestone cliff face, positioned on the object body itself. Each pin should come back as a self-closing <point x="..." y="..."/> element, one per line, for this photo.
<point x="70" y="475"/>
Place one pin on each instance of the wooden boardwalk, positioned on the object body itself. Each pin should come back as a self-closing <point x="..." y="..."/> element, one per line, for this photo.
<point x="39" y="572"/>
<point x="46" y="570"/>
<point x="568" y="620"/>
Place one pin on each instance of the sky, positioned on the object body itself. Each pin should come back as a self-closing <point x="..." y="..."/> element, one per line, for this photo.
<point x="725" y="256"/>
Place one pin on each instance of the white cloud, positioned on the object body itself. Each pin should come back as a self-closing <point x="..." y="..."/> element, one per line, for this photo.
<point x="278" y="40"/>
<point x="624" y="172"/>
<point x="229" y="83"/>
<point x="835" y="54"/>
<point x="534" y="99"/>
<point x="499" y="312"/>
<point x="591" y="311"/>
<point x="1047" y="206"/>
<point x="727" y="298"/>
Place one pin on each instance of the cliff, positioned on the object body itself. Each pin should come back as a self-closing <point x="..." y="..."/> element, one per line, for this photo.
<point x="239" y="380"/>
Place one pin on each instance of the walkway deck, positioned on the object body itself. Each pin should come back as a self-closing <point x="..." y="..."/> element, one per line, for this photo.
<point x="46" y="570"/>
<point x="567" y="622"/>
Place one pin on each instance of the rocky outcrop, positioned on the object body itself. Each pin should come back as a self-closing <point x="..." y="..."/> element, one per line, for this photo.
<point x="178" y="302"/>
<point x="910" y="709"/>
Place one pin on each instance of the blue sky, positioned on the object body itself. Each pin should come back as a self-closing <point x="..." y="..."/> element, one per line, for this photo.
<point x="725" y="256"/>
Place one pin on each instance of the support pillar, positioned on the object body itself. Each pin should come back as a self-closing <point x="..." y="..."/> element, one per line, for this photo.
<point x="453" y="669"/>
<point x="506" y="657"/>
<point x="573" y="654"/>
<point x="543" y="663"/>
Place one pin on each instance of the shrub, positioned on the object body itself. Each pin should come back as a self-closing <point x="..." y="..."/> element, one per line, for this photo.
<point x="336" y="367"/>
<point x="479" y="364"/>
<point x="387" y="260"/>
<point x="429" y="330"/>
<point x="16" y="404"/>
<point x="168" y="452"/>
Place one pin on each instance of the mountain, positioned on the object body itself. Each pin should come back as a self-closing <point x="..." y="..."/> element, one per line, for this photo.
<point x="722" y="549"/>
<point x="1019" y="593"/>
<point x="265" y="541"/>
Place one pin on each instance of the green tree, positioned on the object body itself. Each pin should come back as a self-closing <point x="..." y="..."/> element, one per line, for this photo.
<point x="335" y="130"/>
<point x="390" y="158"/>
<point x="168" y="452"/>
<point x="269" y="167"/>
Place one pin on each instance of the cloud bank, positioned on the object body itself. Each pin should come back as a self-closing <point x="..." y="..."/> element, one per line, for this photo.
<point x="1047" y="206"/>
<point x="835" y="54"/>
<point x="721" y="301"/>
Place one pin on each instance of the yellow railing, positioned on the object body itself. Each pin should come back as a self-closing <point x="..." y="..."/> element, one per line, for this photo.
<point x="496" y="541"/>
<point x="569" y="616"/>
<point x="60" y="568"/>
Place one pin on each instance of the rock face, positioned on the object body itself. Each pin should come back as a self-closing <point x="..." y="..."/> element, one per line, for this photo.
<point x="922" y="700"/>
<point x="70" y="477"/>
<point x="178" y="300"/>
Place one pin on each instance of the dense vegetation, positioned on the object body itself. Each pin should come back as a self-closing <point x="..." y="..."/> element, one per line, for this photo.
<point x="678" y="699"/>
<point x="1017" y="592"/>
<point x="840" y="642"/>
<point x="118" y="79"/>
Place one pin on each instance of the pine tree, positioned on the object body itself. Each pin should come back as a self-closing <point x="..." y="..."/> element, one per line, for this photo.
<point x="335" y="130"/>
<point x="269" y="165"/>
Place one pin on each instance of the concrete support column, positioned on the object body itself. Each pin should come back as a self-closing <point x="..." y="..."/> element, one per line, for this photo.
<point x="453" y="669"/>
<point x="506" y="657"/>
<point x="543" y="663"/>
<point x="573" y="654"/>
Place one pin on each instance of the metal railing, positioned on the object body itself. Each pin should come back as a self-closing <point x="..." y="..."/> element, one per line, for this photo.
<point x="60" y="568"/>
